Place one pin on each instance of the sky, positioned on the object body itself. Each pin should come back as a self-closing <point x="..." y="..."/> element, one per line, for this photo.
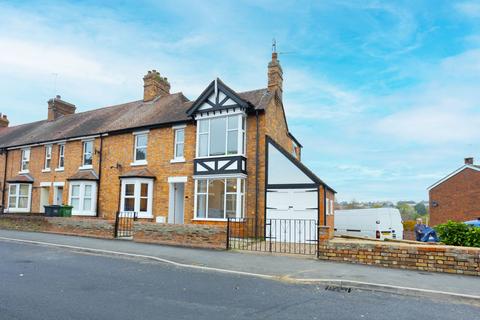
<point x="383" y="95"/>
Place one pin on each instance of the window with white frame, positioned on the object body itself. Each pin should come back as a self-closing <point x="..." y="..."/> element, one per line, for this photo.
<point x="82" y="197"/>
<point x="87" y="153"/>
<point x="48" y="157"/>
<point x="331" y="207"/>
<point x="137" y="196"/>
<point x="140" y="150"/>
<point x="179" y="143"/>
<point x="25" y="161"/>
<point x="19" y="195"/>
<point x="61" y="156"/>
<point x="221" y="136"/>
<point x="219" y="199"/>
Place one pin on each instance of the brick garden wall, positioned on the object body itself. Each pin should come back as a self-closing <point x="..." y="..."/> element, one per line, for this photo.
<point x="71" y="226"/>
<point x="447" y="259"/>
<point x="199" y="236"/>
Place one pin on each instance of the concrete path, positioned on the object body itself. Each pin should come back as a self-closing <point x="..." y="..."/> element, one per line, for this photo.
<point x="294" y="268"/>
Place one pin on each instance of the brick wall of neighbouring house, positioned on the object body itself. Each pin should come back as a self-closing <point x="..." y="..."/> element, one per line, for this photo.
<point x="447" y="259"/>
<point x="458" y="198"/>
<point x="187" y="235"/>
<point x="90" y="227"/>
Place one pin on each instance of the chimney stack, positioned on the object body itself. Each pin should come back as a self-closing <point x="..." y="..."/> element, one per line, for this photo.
<point x="154" y="86"/>
<point x="3" y="120"/>
<point x="469" y="161"/>
<point x="57" y="108"/>
<point x="275" y="75"/>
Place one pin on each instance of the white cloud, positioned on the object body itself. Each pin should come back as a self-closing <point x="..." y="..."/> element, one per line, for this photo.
<point x="471" y="8"/>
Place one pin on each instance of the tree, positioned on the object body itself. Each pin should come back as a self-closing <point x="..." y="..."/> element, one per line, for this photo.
<point x="407" y="212"/>
<point x="421" y="209"/>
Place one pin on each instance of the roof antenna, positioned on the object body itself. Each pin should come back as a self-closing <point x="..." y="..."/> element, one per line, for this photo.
<point x="274" y="45"/>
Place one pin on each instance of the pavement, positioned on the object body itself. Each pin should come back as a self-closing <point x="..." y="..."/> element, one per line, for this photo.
<point x="47" y="282"/>
<point x="299" y="269"/>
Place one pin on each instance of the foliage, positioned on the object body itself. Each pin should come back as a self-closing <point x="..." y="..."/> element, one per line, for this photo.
<point x="421" y="209"/>
<point x="458" y="234"/>
<point x="406" y="211"/>
<point x="409" y="225"/>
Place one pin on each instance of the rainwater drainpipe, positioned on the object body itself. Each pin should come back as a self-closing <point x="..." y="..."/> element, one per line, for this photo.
<point x="4" y="178"/>
<point x="256" y="173"/>
<point x="99" y="175"/>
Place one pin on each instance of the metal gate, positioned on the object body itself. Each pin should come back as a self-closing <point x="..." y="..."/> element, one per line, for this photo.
<point x="296" y="236"/>
<point x="124" y="224"/>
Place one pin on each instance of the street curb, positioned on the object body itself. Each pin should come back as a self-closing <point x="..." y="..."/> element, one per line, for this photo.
<point x="458" y="297"/>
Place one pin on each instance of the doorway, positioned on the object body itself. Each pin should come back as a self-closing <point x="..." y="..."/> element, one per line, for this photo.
<point x="58" y="195"/>
<point x="176" y="207"/>
<point x="44" y="195"/>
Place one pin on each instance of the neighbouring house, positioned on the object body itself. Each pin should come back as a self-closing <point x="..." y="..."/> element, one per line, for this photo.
<point x="456" y="196"/>
<point x="169" y="159"/>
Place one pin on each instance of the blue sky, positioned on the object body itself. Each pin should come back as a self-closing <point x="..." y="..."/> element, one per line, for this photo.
<point x="384" y="96"/>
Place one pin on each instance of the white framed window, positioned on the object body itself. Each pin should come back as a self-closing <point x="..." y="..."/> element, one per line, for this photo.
<point x="87" y="157"/>
<point x="179" y="144"/>
<point x="140" y="148"/>
<point x="219" y="199"/>
<point x="48" y="157"/>
<point x="137" y="196"/>
<point x="220" y="136"/>
<point x="82" y="197"/>
<point x="19" y="195"/>
<point x="61" y="157"/>
<point x="331" y="207"/>
<point x="25" y="161"/>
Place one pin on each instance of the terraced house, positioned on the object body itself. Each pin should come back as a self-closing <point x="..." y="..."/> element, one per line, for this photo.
<point x="172" y="160"/>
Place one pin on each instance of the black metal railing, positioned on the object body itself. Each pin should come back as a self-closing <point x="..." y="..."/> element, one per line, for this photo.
<point x="297" y="236"/>
<point x="124" y="224"/>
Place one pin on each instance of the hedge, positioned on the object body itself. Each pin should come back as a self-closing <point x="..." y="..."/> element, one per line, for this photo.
<point x="458" y="234"/>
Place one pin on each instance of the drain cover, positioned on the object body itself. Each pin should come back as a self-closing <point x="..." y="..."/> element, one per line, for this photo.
<point x="338" y="289"/>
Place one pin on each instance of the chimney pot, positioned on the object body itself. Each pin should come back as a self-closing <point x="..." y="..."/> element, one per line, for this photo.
<point x="469" y="161"/>
<point x="154" y="86"/>
<point x="3" y="121"/>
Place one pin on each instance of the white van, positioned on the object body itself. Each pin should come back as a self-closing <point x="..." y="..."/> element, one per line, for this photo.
<point x="378" y="223"/>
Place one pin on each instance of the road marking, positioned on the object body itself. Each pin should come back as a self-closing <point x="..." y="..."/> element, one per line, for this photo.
<point x="340" y="282"/>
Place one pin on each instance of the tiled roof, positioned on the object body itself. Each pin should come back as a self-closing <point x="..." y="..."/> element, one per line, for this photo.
<point x="22" y="178"/>
<point x="164" y="110"/>
<point x="138" y="173"/>
<point x="84" y="175"/>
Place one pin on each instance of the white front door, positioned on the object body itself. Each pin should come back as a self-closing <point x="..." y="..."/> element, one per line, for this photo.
<point x="176" y="207"/>
<point x="58" y="195"/>
<point x="44" y="194"/>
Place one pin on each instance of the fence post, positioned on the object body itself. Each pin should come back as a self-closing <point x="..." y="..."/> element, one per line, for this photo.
<point x="318" y="239"/>
<point x="228" y="233"/>
<point x="270" y="236"/>
<point x="115" y="232"/>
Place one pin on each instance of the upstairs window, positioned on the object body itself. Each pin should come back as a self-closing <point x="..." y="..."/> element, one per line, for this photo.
<point x="221" y="136"/>
<point x="61" y="156"/>
<point x="87" y="153"/>
<point x="25" y="160"/>
<point x="140" y="149"/>
<point x="48" y="157"/>
<point x="179" y="143"/>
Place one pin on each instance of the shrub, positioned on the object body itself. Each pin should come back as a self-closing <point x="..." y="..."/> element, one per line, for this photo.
<point x="458" y="234"/>
<point x="409" y="225"/>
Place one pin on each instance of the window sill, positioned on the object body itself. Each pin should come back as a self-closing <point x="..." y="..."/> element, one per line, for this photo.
<point x="177" y="160"/>
<point x="47" y="170"/>
<point x="59" y="169"/>
<point x="85" y="167"/>
<point x="221" y="156"/>
<point x="138" y="163"/>
<point x="23" y="171"/>
<point x="216" y="219"/>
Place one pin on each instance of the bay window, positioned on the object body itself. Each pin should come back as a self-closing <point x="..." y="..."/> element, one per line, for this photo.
<point x="219" y="199"/>
<point x="137" y="196"/>
<point x="221" y="136"/>
<point x="19" y="195"/>
<point x="82" y="197"/>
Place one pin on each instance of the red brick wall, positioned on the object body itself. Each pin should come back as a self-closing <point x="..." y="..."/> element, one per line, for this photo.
<point x="458" y="198"/>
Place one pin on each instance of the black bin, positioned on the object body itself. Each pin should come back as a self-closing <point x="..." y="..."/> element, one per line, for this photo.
<point x="52" y="211"/>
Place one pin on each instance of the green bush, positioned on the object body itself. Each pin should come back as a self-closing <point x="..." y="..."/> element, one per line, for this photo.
<point x="458" y="234"/>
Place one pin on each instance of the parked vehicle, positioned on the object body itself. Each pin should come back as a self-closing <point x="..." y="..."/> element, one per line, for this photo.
<point x="475" y="223"/>
<point x="378" y="223"/>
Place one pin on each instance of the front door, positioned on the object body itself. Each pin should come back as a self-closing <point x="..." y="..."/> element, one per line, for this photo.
<point x="177" y="191"/>
<point x="58" y="196"/>
<point x="44" y="194"/>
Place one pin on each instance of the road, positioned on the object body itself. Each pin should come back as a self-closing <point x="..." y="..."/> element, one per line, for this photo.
<point x="47" y="283"/>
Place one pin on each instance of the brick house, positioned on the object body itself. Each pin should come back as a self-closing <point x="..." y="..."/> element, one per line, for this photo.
<point x="226" y="154"/>
<point x="456" y="196"/>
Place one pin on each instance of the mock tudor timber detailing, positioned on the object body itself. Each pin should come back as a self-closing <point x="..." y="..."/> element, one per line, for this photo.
<point x="201" y="160"/>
